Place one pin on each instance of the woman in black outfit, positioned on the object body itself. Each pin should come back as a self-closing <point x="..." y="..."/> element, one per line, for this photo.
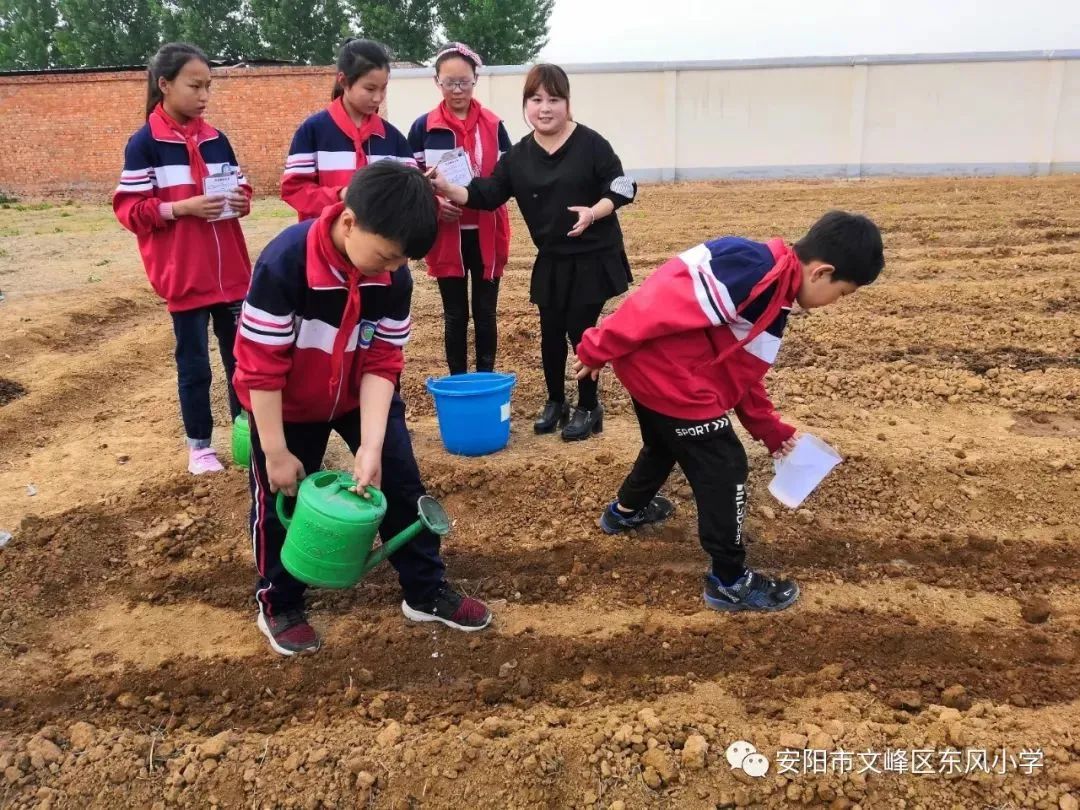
<point x="580" y="262"/>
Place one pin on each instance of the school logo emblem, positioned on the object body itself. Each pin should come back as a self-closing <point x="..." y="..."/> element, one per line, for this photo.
<point x="367" y="333"/>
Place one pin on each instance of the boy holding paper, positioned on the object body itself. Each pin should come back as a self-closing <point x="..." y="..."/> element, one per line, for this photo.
<point x="695" y="342"/>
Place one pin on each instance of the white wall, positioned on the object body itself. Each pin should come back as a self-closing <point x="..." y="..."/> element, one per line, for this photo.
<point x="988" y="114"/>
<point x="784" y="120"/>
<point x="1065" y="142"/>
<point x="1016" y="113"/>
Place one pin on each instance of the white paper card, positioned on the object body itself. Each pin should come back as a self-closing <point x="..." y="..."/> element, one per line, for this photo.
<point x="800" y="471"/>
<point x="456" y="167"/>
<point x="222" y="184"/>
<point x="504" y="412"/>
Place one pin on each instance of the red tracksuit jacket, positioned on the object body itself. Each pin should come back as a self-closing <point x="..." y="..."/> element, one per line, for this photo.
<point x="311" y="326"/>
<point x="674" y="341"/>
<point x="324" y="156"/>
<point x="190" y="262"/>
<point x="431" y="136"/>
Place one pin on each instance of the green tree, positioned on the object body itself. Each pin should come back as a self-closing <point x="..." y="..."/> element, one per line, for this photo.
<point x="503" y="32"/>
<point x="222" y="28"/>
<point x="27" y="30"/>
<point x="301" y="31"/>
<point x="104" y="33"/>
<point x="406" y="27"/>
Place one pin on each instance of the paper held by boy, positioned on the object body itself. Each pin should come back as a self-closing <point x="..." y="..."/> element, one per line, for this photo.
<point x="800" y="471"/>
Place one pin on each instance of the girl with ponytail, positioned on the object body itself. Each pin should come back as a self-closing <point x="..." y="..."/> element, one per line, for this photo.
<point x="347" y="135"/>
<point x="191" y="243"/>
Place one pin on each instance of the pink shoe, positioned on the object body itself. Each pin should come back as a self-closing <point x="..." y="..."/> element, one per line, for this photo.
<point x="203" y="461"/>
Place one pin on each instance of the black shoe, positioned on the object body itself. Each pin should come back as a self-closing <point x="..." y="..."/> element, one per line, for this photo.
<point x="554" y="414"/>
<point x="655" y="511"/>
<point x="584" y="424"/>
<point x="751" y="591"/>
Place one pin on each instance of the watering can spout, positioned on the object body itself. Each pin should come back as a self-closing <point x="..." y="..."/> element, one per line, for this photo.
<point x="431" y="517"/>
<point x="392" y="546"/>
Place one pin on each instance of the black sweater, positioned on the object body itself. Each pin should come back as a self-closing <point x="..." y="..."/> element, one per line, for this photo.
<point x="582" y="171"/>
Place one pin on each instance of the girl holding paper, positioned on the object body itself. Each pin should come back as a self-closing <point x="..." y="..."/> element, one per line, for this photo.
<point x="348" y="135"/>
<point x="568" y="182"/>
<point x="180" y="193"/>
<point x="470" y="243"/>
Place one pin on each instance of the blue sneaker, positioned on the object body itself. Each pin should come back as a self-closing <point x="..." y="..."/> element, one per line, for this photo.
<point x="658" y="509"/>
<point x="751" y="591"/>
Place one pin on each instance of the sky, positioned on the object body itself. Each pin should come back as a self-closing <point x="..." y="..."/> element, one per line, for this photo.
<point x="669" y="30"/>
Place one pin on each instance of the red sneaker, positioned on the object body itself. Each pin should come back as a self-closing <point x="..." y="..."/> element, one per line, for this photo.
<point x="450" y="608"/>
<point x="289" y="633"/>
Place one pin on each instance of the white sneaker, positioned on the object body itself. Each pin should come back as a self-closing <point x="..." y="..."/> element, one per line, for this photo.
<point x="203" y="461"/>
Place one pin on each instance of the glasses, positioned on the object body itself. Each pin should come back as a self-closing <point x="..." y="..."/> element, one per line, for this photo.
<point x="456" y="84"/>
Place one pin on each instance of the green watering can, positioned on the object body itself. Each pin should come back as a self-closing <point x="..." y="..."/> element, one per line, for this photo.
<point x="331" y="530"/>
<point x="241" y="441"/>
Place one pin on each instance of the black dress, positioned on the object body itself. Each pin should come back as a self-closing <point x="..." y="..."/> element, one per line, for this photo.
<point x="569" y="271"/>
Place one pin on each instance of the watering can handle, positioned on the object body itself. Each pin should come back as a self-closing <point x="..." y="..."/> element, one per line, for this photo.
<point x="285" y="519"/>
<point x="349" y="483"/>
<point x="372" y="493"/>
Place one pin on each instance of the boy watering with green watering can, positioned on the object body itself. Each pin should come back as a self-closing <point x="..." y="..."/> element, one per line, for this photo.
<point x="319" y="349"/>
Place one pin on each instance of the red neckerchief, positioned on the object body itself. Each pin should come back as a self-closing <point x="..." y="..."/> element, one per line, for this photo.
<point x="464" y="130"/>
<point x="321" y="248"/>
<point x="786" y="274"/>
<point x="478" y="124"/>
<point x="373" y="125"/>
<point x="190" y="133"/>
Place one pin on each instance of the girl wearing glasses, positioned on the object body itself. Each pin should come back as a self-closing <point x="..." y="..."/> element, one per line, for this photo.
<point x="567" y="181"/>
<point x="348" y="135"/>
<point x="470" y="243"/>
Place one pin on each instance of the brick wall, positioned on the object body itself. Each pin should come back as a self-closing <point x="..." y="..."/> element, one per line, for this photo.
<point x="911" y="115"/>
<point x="64" y="135"/>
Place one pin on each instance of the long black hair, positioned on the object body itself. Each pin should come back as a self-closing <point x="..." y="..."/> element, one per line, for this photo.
<point x="167" y="64"/>
<point x="357" y="58"/>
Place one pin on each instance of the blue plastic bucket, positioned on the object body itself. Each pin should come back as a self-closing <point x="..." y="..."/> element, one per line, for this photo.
<point x="473" y="411"/>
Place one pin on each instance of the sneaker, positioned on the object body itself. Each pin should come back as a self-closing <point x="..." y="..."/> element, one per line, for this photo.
<point x="290" y="633"/>
<point x="751" y="591"/>
<point x="452" y="609"/>
<point x="658" y="509"/>
<point x="203" y="461"/>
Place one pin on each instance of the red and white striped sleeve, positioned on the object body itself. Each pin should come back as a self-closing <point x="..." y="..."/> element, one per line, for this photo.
<point x="681" y="295"/>
<point x="300" y="185"/>
<point x="135" y="201"/>
<point x="384" y="355"/>
<point x="266" y="332"/>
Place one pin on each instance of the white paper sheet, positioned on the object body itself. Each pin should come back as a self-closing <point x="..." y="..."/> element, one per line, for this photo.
<point x="800" y="471"/>
<point x="222" y="184"/>
<point x="456" y="167"/>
